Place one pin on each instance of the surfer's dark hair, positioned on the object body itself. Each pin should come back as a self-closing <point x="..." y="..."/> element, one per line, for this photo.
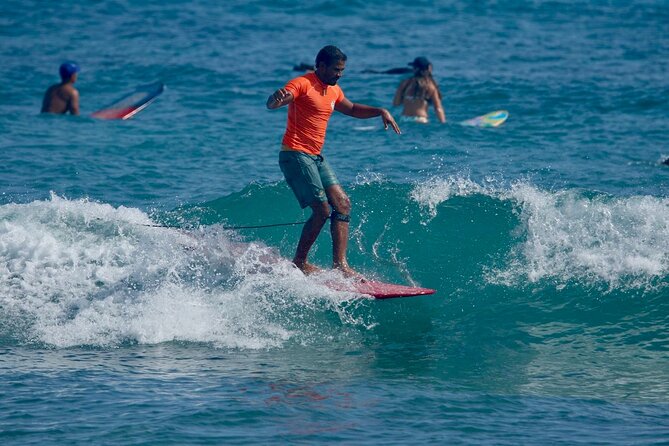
<point x="421" y="83"/>
<point x="329" y="55"/>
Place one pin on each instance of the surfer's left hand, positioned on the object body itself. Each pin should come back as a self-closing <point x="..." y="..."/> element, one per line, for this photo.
<point x="388" y="120"/>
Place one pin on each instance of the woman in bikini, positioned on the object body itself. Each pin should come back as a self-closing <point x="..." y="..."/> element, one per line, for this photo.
<point x="417" y="92"/>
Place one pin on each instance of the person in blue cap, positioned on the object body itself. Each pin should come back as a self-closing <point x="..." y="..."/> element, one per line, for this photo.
<point x="63" y="97"/>
<point x="417" y="92"/>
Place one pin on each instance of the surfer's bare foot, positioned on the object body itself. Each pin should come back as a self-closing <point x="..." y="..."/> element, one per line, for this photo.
<point x="350" y="273"/>
<point x="307" y="268"/>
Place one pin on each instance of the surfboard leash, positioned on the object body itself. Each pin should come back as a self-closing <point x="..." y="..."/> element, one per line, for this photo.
<point x="233" y="227"/>
<point x="224" y="227"/>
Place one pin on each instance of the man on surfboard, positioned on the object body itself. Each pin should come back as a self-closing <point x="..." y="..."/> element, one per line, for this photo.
<point x="63" y="97"/>
<point x="311" y="99"/>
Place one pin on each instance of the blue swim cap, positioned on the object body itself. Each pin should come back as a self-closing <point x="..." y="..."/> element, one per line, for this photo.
<point x="67" y="69"/>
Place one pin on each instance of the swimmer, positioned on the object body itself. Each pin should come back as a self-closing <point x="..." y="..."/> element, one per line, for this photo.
<point x="63" y="97"/>
<point x="417" y="92"/>
<point x="401" y="70"/>
<point x="305" y="67"/>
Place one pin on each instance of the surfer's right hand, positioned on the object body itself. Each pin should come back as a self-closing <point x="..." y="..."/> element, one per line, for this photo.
<point x="280" y="96"/>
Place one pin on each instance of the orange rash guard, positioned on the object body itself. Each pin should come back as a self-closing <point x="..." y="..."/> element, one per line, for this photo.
<point x="308" y="114"/>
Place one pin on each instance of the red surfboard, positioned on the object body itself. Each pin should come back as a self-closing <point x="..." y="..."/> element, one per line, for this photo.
<point x="131" y="104"/>
<point x="379" y="290"/>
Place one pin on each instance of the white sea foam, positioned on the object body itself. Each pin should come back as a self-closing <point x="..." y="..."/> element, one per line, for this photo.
<point x="85" y="273"/>
<point x="368" y="177"/>
<point x="568" y="236"/>
<point x="432" y="193"/>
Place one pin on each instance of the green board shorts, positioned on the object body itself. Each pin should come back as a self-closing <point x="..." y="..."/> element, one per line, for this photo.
<point x="307" y="175"/>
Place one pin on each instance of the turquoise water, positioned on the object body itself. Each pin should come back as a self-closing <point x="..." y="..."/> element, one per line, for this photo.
<point x="546" y="238"/>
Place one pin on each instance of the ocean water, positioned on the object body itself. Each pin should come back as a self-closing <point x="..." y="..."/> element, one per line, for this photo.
<point x="135" y="310"/>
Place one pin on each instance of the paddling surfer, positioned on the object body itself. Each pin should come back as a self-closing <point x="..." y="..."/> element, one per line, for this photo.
<point x="311" y="99"/>
<point x="63" y="97"/>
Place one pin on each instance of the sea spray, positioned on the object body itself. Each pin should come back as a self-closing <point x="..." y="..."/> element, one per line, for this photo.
<point x="589" y="238"/>
<point x="85" y="273"/>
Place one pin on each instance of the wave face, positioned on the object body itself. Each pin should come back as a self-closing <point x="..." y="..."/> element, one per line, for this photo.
<point x="569" y="275"/>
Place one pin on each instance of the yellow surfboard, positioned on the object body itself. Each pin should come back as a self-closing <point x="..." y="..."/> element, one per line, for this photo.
<point x="492" y="119"/>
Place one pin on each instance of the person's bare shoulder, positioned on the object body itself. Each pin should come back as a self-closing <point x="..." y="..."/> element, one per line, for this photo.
<point x="405" y="82"/>
<point x="432" y="90"/>
<point x="402" y="86"/>
<point x="73" y="102"/>
<point x="69" y="91"/>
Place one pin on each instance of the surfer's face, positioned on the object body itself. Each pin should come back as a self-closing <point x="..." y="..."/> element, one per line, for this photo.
<point x="330" y="74"/>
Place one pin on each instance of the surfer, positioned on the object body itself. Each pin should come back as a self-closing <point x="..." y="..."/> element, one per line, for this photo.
<point x="305" y="67"/>
<point x="311" y="99"/>
<point x="401" y="70"/>
<point x="63" y="97"/>
<point x="416" y="92"/>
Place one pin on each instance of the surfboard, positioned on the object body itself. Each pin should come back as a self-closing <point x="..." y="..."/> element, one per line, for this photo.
<point x="378" y="290"/>
<point x="492" y="119"/>
<point x="132" y="103"/>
